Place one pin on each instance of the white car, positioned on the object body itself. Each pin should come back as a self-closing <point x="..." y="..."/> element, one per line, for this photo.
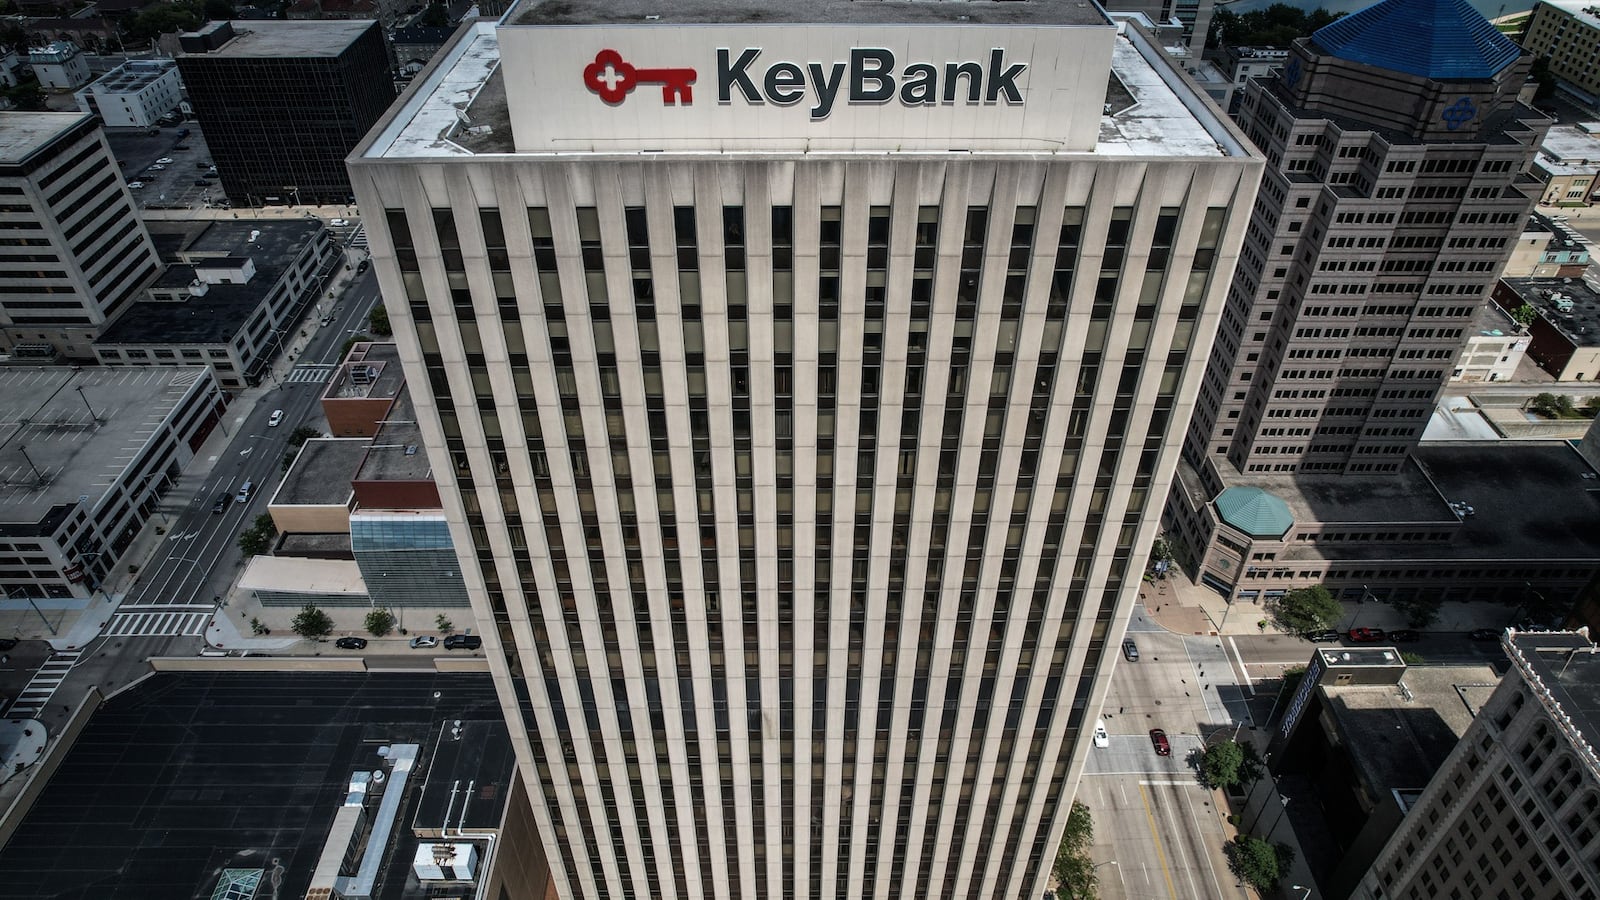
<point x="423" y="641"/>
<point x="1101" y="738"/>
<point x="276" y="419"/>
<point x="156" y="168"/>
<point x="164" y="159"/>
<point x="339" y="223"/>
<point x="135" y="185"/>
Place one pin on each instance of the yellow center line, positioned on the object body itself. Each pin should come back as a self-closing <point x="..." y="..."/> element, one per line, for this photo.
<point x="1161" y="855"/>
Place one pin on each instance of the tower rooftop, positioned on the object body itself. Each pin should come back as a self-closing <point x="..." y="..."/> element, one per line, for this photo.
<point x="1445" y="40"/>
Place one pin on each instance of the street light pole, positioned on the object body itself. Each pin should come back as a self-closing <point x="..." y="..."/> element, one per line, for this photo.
<point x="1302" y="888"/>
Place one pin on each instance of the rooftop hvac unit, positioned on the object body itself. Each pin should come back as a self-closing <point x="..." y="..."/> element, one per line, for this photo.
<point x="363" y="374"/>
<point x="445" y="862"/>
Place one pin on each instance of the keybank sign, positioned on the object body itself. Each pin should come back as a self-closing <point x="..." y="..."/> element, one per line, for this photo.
<point x="871" y="76"/>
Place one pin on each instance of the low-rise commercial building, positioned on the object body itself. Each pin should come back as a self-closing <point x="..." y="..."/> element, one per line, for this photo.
<point x="1514" y="809"/>
<point x="1494" y="347"/>
<point x="362" y="389"/>
<point x="229" y="300"/>
<point x="59" y="66"/>
<point x="1241" y="64"/>
<point x="1548" y="249"/>
<point x="1512" y="522"/>
<point x="85" y="457"/>
<point x="73" y="251"/>
<point x="1567" y="163"/>
<point x="135" y="94"/>
<point x="1566" y="332"/>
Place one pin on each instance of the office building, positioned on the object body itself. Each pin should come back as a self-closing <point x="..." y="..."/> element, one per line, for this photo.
<point x="230" y="298"/>
<point x="1565" y="332"/>
<point x="59" y="66"/>
<point x="1514" y="810"/>
<point x="283" y="103"/>
<point x="1548" y="249"/>
<point x="1567" y="32"/>
<point x="135" y="94"/>
<point x="1192" y="16"/>
<point x="1569" y="165"/>
<point x="802" y="444"/>
<point x="73" y="252"/>
<point x="86" y="456"/>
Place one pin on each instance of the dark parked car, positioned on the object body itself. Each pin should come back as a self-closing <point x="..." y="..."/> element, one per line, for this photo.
<point x="351" y="643"/>
<point x="1366" y="635"/>
<point x="1484" y="634"/>
<point x="1405" y="636"/>
<point x="1322" y="637"/>
<point x="463" y="642"/>
<point x="1130" y="651"/>
<point x="1158" y="740"/>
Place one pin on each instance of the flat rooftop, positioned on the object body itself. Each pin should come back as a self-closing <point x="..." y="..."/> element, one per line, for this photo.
<point x="272" y="40"/>
<point x="134" y="75"/>
<point x="52" y="451"/>
<point x="225" y="309"/>
<point x="322" y="473"/>
<point x="1530" y="497"/>
<point x="1580" y="324"/>
<point x="458" y="107"/>
<point x="814" y="12"/>
<point x="23" y="134"/>
<point x="1399" y="742"/>
<point x="1565" y="665"/>
<point x="397" y="453"/>
<point x="190" y="773"/>
<point x="370" y="371"/>
<point x="1406" y="496"/>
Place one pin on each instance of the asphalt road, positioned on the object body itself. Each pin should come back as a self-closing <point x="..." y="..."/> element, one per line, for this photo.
<point x="200" y="558"/>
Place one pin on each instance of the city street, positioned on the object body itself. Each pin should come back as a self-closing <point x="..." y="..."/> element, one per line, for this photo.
<point x="199" y="559"/>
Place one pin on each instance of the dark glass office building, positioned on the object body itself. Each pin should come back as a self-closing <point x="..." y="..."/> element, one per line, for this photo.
<point x="283" y="104"/>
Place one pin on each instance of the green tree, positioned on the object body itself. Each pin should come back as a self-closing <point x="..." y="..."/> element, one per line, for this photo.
<point x="1553" y="406"/>
<point x="1074" y="869"/>
<point x="27" y="95"/>
<point x="1276" y="26"/>
<point x="443" y="624"/>
<point x="1420" y="612"/>
<point x="435" y="16"/>
<point x="380" y="622"/>
<point x="163" y="18"/>
<point x="1524" y="315"/>
<point x="299" y="436"/>
<point x="352" y="341"/>
<point x="311" y="622"/>
<point x="257" y="539"/>
<point x="257" y="628"/>
<point x="1229" y="763"/>
<point x="379" y="321"/>
<point x="1260" y="863"/>
<point x="1305" y="609"/>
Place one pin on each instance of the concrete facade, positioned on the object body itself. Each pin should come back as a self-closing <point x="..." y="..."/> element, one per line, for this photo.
<point x="1568" y="32"/>
<point x="135" y="94"/>
<point x="73" y="251"/>
<point x="60" y="66"/>
<point x="813" y="479"/>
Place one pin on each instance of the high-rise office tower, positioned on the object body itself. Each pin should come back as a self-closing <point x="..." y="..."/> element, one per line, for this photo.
<point x="1395" y="192"/>
<point x="802" y="385"/>
<point x="73" y="251"/>
<point x="283" y="103"/>
<point x="1515" y="809"/>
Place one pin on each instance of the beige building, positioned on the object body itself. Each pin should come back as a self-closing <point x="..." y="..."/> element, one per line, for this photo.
<point x="802" y="446"/>
<point x="1568" y="163"/>
<point x="1514" y="811"/>
<point x="1548" y="249"/>
<point x="1568" y="32"/>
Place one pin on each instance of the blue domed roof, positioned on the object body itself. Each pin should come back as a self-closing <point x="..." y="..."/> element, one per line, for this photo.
<point x="1446" y="40"/>
<point x="1255" y="512"/>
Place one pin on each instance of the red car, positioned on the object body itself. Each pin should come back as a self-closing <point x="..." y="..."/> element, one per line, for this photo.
<point x="1158" y="739"/>
<point x="1366" y="635"/>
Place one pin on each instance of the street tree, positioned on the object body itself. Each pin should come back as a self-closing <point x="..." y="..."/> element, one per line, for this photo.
<point x="257" y="539"/>
<point x="1305" y="609"/>
<point x="311" y="622"/>
<point x="378" y="321"/>
<point x="443" y="624"/>
<point x="300" y="435"/>
<point x="380" y="622"/>
<point x="351" y="341"/>
<point x="1260" y="863"/>
<point x="1229" y="763"/>
<point x="1074" y="869"/>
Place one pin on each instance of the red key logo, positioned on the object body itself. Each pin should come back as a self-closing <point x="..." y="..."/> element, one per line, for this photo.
<point x="613" y="79"/>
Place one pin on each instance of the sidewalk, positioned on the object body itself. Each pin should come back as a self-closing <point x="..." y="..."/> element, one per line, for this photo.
<point x="1179" y="605"/>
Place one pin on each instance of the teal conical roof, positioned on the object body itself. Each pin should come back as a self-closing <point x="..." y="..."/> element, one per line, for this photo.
<point x="1446" y="40"/>
<point x="1255" y="512"/>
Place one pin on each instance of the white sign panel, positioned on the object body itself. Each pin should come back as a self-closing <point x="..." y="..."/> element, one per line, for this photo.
<point x="805" y="87"/>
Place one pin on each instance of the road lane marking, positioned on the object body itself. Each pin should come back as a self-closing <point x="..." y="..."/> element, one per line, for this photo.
<point x="1161" y="855"/>
<point x="1178" y="783"/>
<point x="1178" y="851"/>
<point x="1242" y="670"/>
<point x="1204" y="844"/>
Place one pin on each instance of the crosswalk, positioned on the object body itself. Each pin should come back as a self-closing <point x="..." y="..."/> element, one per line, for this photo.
<point x="310" y="372"/>
<point x="359" y="239"/>
<point x="159" y="621"/>
<point x="43" y="685"/>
